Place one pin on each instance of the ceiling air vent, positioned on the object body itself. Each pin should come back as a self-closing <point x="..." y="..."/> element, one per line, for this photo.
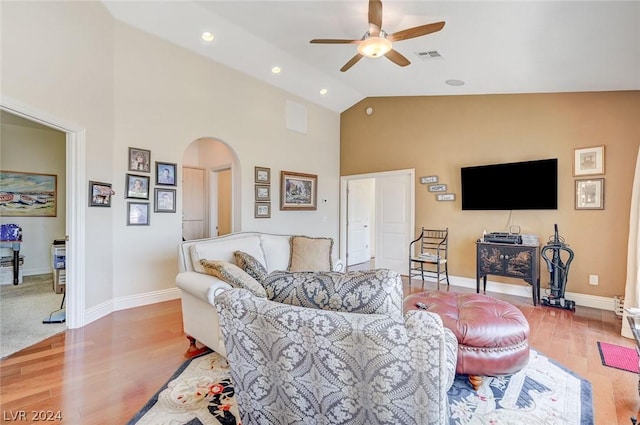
<point x="429" y="55"/>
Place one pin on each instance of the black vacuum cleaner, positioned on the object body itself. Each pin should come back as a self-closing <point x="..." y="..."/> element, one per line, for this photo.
<point x="558" y="266"/>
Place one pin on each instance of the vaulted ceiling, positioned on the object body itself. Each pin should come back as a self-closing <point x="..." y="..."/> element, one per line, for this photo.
<point x="490" y="46"/>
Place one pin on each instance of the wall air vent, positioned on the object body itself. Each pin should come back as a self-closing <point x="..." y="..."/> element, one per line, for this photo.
<point x="429" y="55"/>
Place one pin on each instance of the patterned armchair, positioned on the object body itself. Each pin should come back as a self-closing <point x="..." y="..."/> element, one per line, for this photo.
<point x="308" y="364"/>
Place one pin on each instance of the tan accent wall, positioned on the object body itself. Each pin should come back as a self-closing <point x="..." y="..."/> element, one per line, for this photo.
<point x="437" y="135"/>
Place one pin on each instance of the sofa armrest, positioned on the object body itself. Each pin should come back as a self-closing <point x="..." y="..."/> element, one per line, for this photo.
<point x="440" y="347"/>
<point x="201" y="285"/>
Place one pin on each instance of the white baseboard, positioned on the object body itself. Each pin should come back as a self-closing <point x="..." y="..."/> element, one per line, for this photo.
<point x="585" y="300"/>
<point x="122" y="303"/>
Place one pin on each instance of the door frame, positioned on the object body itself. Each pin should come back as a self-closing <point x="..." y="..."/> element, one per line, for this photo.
<point x="343" y="203"/>
<point x="75" y="210"/>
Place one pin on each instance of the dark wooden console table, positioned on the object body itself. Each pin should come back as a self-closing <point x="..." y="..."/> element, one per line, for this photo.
<point x="509" y="260"/>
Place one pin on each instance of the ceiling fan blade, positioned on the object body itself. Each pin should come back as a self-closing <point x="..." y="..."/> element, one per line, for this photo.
<point x="416" y="31"/>
<point x="351" y="62"/>
<point x="333" y="41"/>
<point x="397" y="58"/>
<point x="375" y="17"/>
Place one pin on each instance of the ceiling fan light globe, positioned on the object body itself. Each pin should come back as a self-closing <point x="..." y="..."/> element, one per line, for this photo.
<point x="374" y="47"/>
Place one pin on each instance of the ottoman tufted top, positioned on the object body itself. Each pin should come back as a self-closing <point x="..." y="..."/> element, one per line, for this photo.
<point x="476" y="320"/>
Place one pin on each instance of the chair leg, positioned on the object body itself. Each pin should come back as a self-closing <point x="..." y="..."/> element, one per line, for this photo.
<point x="422" y="274"/>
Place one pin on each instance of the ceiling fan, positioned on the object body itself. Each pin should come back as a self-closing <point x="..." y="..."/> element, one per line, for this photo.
<point x="376" y="42"/>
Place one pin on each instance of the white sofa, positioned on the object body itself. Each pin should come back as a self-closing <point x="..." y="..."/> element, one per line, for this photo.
<point x="199" y="314"/>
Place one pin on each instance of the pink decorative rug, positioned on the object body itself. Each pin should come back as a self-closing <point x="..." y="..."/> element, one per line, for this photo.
<point x="619" y="357"/>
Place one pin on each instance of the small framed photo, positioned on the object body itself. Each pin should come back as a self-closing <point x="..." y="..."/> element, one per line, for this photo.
<point x="588" y="161"/>
<point x="437" y="188"/>
<point x="590" y="194"/>
<point x="164" y="200"/>
<point x="263" y="210"/>
<point x="166" y="173"/>
<point x="298" y="191"/>
<point x="263" y="193"/>
<point x="137" y="186"/>
<point x="137" y="213"/>
<point x="263" y="175"/>
<point x="139" y="160"/>
<point x="100" y="194"/>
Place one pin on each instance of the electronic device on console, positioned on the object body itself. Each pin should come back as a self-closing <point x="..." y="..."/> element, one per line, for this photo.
<point x="502" y="237"/>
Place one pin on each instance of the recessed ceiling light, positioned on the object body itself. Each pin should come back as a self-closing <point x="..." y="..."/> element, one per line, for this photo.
<point x="276" y="70"/>
<point x="455" y="83"/>
<point x="207" y="36"/>
<point x="324" y="91"/>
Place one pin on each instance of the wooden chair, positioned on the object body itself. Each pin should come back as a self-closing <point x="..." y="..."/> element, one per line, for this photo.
<point x="428" y="256"/>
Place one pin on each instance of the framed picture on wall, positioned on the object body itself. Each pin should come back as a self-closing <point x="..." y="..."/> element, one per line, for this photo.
<point x="139" y="160"/>
<point x="166" y="173"/>
<point x="298" y="191"/>
<point x="100" y="194"/>
<point x="137" y="186"/>
<point x="263" y="175"/>
<point x="588" y="161"/>
<point x="27" y="194"/>
<point x="137" y="213"/>
<point x="263" y="210"/>
<point x="263" y="193"/>
<point x="164" y="200"/>
<point x="590" y="194"/>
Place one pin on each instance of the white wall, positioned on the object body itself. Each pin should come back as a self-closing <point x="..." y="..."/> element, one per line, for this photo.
<point x="36" y="150"/>
<point x="130" y="89"/>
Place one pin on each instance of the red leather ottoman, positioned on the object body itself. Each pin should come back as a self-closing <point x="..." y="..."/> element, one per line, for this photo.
<point x="493" y="335"/>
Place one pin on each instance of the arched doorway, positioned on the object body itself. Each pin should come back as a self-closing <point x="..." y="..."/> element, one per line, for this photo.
<point x="210" y="204"/>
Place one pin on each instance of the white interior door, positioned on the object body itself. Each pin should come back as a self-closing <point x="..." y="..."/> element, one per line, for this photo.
<point x="359" y="201"/>
<point x="394" y="221"/>
<point x="194" y="198"/>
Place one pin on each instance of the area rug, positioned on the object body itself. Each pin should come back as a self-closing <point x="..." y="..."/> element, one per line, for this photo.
<point x="201" y="393"/>
<point x="23" y="307"/>
<point x="618" y="357"/>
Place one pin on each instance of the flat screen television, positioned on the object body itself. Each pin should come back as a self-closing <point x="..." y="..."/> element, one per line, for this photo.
<point x="528" y="185"/>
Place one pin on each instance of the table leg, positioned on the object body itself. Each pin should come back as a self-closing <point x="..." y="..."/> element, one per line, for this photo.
<point x="16" y="266"/>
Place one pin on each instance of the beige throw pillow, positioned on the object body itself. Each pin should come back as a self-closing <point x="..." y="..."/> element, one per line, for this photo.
<point x="310" y="254"/>
<point x="233" y="275"/>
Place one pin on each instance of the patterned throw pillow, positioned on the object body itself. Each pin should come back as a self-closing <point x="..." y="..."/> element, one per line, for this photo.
<point x="251" y="265"/>
<point x="233" y="275"/>
<point x="310" y="254"/>
<point x="370" y="291"/>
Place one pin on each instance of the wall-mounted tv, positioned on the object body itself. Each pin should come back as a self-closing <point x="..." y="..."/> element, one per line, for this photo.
<point x="529" y="185"/>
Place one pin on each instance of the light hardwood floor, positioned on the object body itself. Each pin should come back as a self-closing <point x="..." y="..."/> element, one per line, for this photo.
<point x="106" y="371"/>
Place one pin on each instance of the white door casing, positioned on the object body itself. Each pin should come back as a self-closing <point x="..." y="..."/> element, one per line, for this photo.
<point x="75" y="209"/>
<point x="395" y="237"/>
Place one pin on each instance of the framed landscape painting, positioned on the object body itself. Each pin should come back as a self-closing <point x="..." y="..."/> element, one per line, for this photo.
<point x="298" y="191"/>
<point x="28" y="194"/>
